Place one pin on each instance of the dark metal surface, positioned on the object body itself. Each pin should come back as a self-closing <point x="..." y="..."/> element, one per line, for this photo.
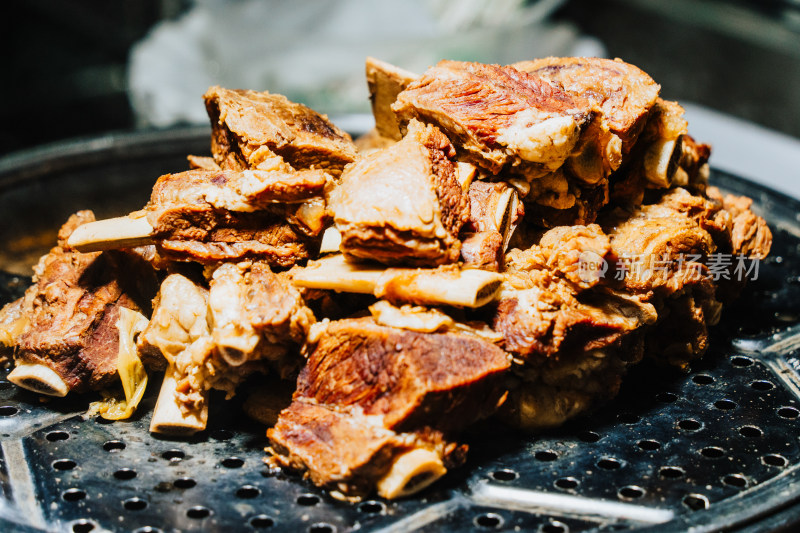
<point x="715" y="449"/>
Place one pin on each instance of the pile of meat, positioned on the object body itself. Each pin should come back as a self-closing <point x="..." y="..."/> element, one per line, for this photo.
<point x="506" y="242"/>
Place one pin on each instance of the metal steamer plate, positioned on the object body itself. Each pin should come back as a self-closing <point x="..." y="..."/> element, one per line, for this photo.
<point x="713" y="449"/>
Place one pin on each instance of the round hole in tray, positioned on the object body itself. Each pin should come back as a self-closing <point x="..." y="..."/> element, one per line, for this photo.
<point x="124" y="474"/>
<point x="262" y="521"/>
<point x="114" y="446"/>
<point x="504" y="475"/>
<point x="247" y="492"/>
<point x="55" y="436"/>
<point x="774" y="459"/>
<point x="184" y="483"/>
<point x="73" y="495"/>
<point x="609" y="463"/>
<point x="671" y="472"/>
<point x="567" y="483"/>
<point x="147" y="529"/>
<point x="83" y="526"/>
<point x="712" y="452"/>
<point x="588" y="436"/>
<point x="628" y="418"/>
<point x="649" y="445"/>
<point x="695" y="502"/>
<point x="554" y="526"/>
<point x="221" y="434"/>
<point x="666" y="397"/>
<point x="735" y="480"/>
<point x="198" y="512"/>
<point x="308" y="500"/>
<point x="690" y="424"/>
<point x="322" y="527"/>
<point x="762" y="385"/>
<point x="790" y="413"/>
<point x="372" y="507"/>
<point x="64" y="464"/>
<point x="233" y="462"/>
<point x="546" y="455"/>
<point x="752" y="432"/>
<point x="135" y="504"/>
<point x="488" y="521"/>
<point x="725" y="404"/>
<point x="703" y="379"/>
<point x="173" y="455"/>
<point x="8" y="410"/>
<point x="631" y="492"/>
<point x="741" y="361"/>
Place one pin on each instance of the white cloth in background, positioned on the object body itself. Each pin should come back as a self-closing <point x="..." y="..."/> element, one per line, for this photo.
<point x="313" y="51"/>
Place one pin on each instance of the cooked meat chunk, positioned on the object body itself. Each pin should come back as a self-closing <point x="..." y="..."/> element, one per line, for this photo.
<point x="212" y="216"/>
<point x="67" y="319"/>
<point x="408" y="378"/>
<point x="750" y="235"/>
<point x="495" y="211"/>
<point x="624" y="93"/>
<point x="249" y="127"/>
<point x="402" y="204"/>
<point x="256" y="237"/>
<point x="248" y="320"/>
<point x="207" y="199"/>
<point x="664" y="157"/>
<point x="371" y="383"/>
<point x="498" y="117"/>
<point x="349" y="451"/>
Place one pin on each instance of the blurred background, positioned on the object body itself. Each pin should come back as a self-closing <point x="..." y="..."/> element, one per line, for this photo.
<point x="84" y="67"/>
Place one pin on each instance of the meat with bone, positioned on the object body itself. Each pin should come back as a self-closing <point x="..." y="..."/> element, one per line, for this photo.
<point x="498" y="117"/>
<point x="248" y="320"/>
<point x="624" y="93"/>
<point x="383" y="385"/>
<point x="495" y="211"/>
<point x="249" y="127"/>
<point x="574" y="325"/>
<point x="522" y="128"/>
<point x="403" y="204"/>
<point x="67" y="320"/>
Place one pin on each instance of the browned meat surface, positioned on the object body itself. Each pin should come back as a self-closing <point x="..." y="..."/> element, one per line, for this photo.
<point x="402" y="204"/>
<point x="347" y="450"/>
<point x="207" y="199"/>
<point x="256" y="237"/>
<point x="212" y="216"/>
<point x="372" y="383"/>
<point x="498" y="117"/>
<point x="664" y="157"/>
<point x="249" y="127"/>
<point x="750" y="235"/>
<point x="68" y="316"/>
<point x="494" y="214"/>
<point x="450" y="378"/>
<point x="624" y="93"/>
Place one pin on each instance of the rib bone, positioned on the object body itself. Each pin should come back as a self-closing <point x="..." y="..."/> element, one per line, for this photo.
<point x="112" y="233"/>
<point x="38" y="378"/>
<point x="410" y="473"/>
<point x="167" y="415"/>
<point x="440" y="286"/>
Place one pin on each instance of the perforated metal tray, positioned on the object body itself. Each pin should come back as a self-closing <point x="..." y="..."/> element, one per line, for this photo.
<point x="718" y="448"/>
